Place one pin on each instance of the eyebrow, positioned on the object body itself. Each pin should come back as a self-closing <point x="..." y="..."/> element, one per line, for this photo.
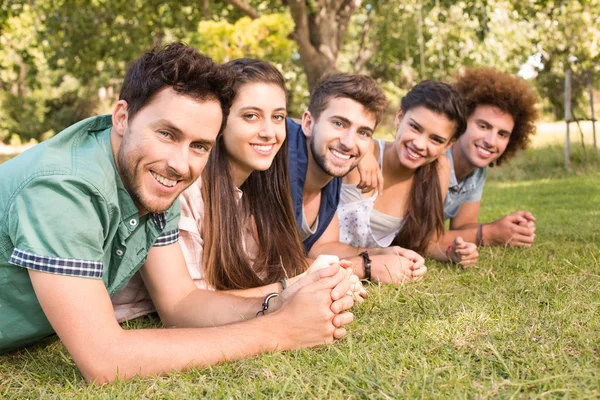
<point x="419" y="127"/>
<point x="488" y="125"/>
<point x="246" y="108"/>
<point x="166" y="124"/>
<point x="348" y="122"/>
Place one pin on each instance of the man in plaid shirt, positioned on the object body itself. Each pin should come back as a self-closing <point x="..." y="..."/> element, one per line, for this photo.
<point x="85" y="210"/>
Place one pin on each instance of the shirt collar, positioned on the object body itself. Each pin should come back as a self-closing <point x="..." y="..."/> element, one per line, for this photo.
<point x="453" y="180"/>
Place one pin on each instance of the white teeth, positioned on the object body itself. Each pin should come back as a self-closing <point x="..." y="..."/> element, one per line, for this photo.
<point x="163" y="180"/>
<point x="484" y="151"/>
<point x="412" y="153"/>
<point x="340" y="155"/>
<point x="263" y="148"/>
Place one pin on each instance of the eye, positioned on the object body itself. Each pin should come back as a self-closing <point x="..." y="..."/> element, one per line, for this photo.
<point x="482" y="126"/>
<point x="251" y="116"/>
<point x="199" y="146"/>
<point x="413" y="126"/>
<point x="279" y="117"/>
<point x="337" y="124"/>
<point x="365" y="133"/>
<point x="504" y="134"/>
<point x="164" y="134"/>
<point x="438" y="140"/>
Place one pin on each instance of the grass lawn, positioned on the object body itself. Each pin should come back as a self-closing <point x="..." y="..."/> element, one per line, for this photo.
<point x="525" y="323"/>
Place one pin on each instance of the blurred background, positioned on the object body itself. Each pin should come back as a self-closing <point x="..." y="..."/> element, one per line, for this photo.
<point x="64" y="60"/>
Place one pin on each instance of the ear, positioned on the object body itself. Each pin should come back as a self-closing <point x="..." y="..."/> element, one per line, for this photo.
<point x="398" y="118"/>
<point x="307" y="123"/>
<point x="119" y="117"/>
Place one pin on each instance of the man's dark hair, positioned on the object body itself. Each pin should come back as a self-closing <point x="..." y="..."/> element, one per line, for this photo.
<point x="360" y="88"/>
<point x="182" y="68"/>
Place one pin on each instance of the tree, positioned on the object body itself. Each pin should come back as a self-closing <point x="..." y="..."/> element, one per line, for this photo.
<point x="319" y="30"/>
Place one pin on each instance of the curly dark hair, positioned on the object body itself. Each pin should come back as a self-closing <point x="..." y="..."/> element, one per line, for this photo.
<point x="511" y="94"/>
<point x="182" y="68"/>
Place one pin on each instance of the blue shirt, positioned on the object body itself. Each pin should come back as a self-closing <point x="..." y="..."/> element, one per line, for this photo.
<point x="298" y="162"/>
<point x="467" y="191"/>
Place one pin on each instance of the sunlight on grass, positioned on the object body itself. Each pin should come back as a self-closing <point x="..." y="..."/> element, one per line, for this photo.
<point x="523" y="324"/>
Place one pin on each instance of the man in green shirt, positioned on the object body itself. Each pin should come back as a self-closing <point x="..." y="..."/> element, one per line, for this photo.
<point x="83" y="211"/>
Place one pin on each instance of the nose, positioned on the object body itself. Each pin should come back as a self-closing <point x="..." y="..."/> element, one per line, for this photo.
<point x="348" y="139"/>
<point x="178" y="162"/>
<point x="267" y="130"/>
<point x="420" y="142"/>
<point x="490" y="138"/>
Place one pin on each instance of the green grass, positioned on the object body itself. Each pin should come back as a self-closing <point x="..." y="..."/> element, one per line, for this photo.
<point x="524" y="324"/>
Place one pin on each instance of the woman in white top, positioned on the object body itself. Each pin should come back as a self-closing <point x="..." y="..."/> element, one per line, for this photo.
<point x="409" y="210"/>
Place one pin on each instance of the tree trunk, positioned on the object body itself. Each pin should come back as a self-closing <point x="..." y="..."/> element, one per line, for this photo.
<point x="320" y="28"/>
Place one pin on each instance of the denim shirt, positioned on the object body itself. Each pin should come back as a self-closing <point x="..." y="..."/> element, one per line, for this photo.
<point x="298" y="163"/>
<point x="469" y="190"/>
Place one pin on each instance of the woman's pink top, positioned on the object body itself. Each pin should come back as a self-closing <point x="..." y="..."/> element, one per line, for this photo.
<point x="133" y="300"/>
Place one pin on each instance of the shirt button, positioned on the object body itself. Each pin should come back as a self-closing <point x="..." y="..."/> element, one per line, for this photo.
<point x="133" y="222"/>
<point x="119" y="252"/>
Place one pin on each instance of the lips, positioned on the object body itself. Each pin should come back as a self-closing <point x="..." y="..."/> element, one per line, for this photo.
<point x="340" y="155"/>
<point x="483" y="153"/>
<point x="413" y="154"/>
<point x="162" y="180"/>
<point x="264" y="149"/>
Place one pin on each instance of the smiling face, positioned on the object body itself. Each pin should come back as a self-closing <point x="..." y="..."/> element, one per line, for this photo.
<point x="165" y="146"/>
<point x="487" y="135"/>
<point x="341" y="136"/>
<point x="255" y="129"/>
<point x="422" y="136"/>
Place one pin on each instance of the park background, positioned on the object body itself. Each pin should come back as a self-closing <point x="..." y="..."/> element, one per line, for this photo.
<point x="524" y="323"/>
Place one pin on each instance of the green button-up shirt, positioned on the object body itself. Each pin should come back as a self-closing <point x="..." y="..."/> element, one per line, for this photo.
<point x="64" y="210"/>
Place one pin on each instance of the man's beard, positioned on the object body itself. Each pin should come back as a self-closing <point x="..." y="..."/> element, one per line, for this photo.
<point x="321" y="161"/>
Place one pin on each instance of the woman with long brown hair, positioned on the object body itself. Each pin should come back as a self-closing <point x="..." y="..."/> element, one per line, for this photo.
<point x="409" y="211"/>
<point x="237" y="228"/>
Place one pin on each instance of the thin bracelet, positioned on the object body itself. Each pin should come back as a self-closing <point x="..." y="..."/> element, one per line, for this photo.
<point x="479" y="235"/>
<point x="265" y="303"/>
<point x="448" y="255"/>
<point x="367" y="264"/>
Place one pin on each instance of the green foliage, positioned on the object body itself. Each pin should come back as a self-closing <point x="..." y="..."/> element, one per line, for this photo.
<point x="71" y="49"/>
<point x="36" y="100"/>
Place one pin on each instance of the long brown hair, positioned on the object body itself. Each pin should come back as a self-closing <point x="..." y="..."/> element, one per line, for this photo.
<point x="267" y="198"/>
<point x="425" y="212"/>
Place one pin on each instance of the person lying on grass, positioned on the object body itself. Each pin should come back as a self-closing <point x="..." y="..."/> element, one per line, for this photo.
<point x="335" y="133"/>
<point x="501" y="111"/>
<point x="237" y="228"/>
<point x="86" y="209"/>
<point x="408" y="212"/>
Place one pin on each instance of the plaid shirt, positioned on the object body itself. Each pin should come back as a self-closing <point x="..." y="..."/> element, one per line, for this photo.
<point x="65" y="211"/>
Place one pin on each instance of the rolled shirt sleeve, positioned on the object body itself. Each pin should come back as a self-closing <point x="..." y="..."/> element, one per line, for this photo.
<point x="56" y="225"/>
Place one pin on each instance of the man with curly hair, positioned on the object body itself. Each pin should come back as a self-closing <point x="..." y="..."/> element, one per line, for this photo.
<point x="501" y="117"/>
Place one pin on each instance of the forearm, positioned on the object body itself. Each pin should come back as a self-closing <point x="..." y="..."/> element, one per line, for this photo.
<point x="156" y="351"/>
<point x="339" y="249"/>
<point x="467" y="232"/>
<point x="438" y="250"/>
<point x="225" y="308"/>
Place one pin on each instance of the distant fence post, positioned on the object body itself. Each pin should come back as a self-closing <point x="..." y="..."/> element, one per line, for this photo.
<point x="568" y="119"/>
<point x="591" y="90"/>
